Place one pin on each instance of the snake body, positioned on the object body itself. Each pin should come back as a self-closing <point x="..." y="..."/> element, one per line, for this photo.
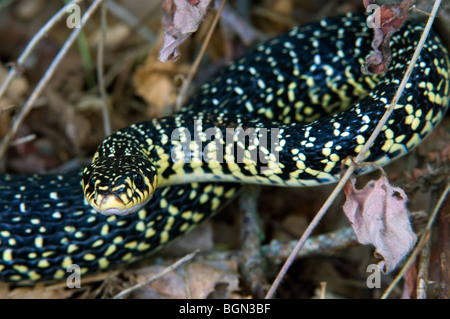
<point x="299" y="102"/>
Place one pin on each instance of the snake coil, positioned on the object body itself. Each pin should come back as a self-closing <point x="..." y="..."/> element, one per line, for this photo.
<point x="305" y="85"/>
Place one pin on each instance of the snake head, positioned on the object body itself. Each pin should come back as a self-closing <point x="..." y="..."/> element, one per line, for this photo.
<point x="119" y="185"/>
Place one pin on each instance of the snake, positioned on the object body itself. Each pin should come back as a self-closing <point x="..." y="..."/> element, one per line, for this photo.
<point x="285" y="114"/>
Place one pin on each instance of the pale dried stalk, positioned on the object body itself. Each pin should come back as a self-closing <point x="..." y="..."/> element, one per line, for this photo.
<point x="46" y="77"/>
<point x="165" y="271"/>
<point x="358" y="158"/>
<point x="42" y="33"/>
<point x="187" y="82"/>
<point x="100" y="71"/>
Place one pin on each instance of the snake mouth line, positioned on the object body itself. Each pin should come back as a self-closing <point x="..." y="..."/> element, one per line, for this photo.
<point x="113" y="205"/>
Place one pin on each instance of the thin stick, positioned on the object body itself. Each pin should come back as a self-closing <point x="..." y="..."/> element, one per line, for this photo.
<point x="42" y="33"/>
<point x="100" y="71"/>
<point x="358" y="158"/>
<point x="165" y="271"/>
<point x="122" y="13"/>
<point x="193" y="70"/>
<point x="46" y="77"/>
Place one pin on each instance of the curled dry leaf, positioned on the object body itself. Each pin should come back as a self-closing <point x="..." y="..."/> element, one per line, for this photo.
<point x="379" y="216"/>
<point x="198" y="280"/>
<point x="386" y="21"/>
<point x="181" y="18"/>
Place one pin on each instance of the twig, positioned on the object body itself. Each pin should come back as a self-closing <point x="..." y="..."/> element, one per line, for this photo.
<point x="46" y="77"/>
<point x="252" y="262"/>
<point x="100" y="71"/>
<point x="444" y="256"/>
<point x="358" y="158"/>
<point x="187" y="82"/>
<point x="166" y="270"/>
<point x="422" y="276"/>
<point x="120" y="12"/>
<point x="24" y="139"/>
<point x="321" y="245"/>
<point x="42" y="33"/>
<point x="423" y="238"/>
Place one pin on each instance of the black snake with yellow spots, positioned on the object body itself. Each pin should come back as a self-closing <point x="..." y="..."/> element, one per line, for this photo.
<point x="285" y="114"/>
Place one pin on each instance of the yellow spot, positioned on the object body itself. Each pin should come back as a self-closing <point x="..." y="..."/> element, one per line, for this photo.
<point x="21" y="268"/>
<point x="97" y="243"/>
<point x="32" y="255"/>
<point x="43" y="263"/>
<point x="15" y="278"/>
<point x="358" y="148"/>
<point x="72" y="248"/>
<point x="150" y="232"/>
<point x="311" y="171"/>
<point x="400" y="138"/>
<point x="69" y="229"/>
<point x="89" y="257"/>
<point x="187" y="215"/>
<point x="59" y="274"/>
<point x="48" y="253"/>
<point x="300" y="165"/>
<point x="110" y="250"/>
<point x="103" y="263"/>
<point x="215" y="203"/>
<point x="329" y="166"/>
<point x="127" y="257"/>
<point x="142" y="214"/>
<point x="5" y="233"/>
<point x="387" y="145"/>
<point x="197" y="217"/>
<point x="409" y="119"/>
<point x="131" y="245"/>
<point x="218" y="190"/>
<point x="169" y="223"/>
<point x="163" y="203"/>
<point x="33" y="275"/>
<point x="326" y="151"/>
<point x="415" y="139"/>
<point x="140" y="226"/>
<point x="105" y="230"/>
<point x="415" y="123"/>
<point x="7" y="255"/>
<point x="67" y="261"/>
<point x="389" y="134"/>
<point x="164" y="237"/>
<point x="409" y="108"/>
<point x="335" y="157"/>
<point x="360" y="139"/>
<point x="118" y="240"/>
<point x="183" y="227"/>
<point x="230" y="193"/>
<point x="173" y="210"/>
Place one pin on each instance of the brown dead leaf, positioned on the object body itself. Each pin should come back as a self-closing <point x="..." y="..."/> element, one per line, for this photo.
<point x="197" y="280"/>
<point x="38" y="291"/>
<point x="388" y="20"/>
<point x="155" y="83"/>
<point x="181" y="18"/>
<point x="379" y="216"/>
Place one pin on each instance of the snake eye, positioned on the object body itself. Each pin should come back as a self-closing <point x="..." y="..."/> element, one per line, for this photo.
<point x="138" y="180"/>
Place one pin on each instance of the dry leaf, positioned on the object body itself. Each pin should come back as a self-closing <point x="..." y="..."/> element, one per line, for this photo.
<point x="379" y="216"/>
<point x="181" y="18"/>
<point x="390" y="19"/>
<point x="155" y="82"/>
<point x="197" y="280"/>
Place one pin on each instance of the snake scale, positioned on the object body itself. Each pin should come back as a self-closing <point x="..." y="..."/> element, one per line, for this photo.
<point x="286" y="114"/>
